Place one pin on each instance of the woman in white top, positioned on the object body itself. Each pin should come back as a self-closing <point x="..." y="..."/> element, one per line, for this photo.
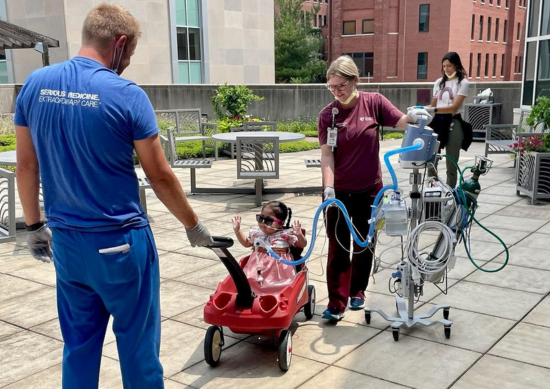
<point x="448" y="97"/>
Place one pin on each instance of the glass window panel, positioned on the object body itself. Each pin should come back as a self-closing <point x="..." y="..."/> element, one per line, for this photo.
<point x="2" y="55"/>
<point x="183" y="70"/>
<point x="349" y="27"/>
<point x="193" y="13"/>
<point x="534" y="18"/>
<point x="181" y="15"/>
<point x="478" y="68"/>
<point x="473" y="27"/>
<point x="368" y="26"/>
<point x="486" y="65"/>
<point x="470" y="65"/>
<point x="358" y="59"/>
<point x="496" y="29"/>
<point x="369" y="64"/>
<point x="529" y="73"/>
<point x="489" y="28"/>
<point x="422" y="69"/>
<point x="494" y="65"/>
<point x="480" y="28"/>
<point x="424" y="18"/>
<point x="3" y="72"/>
<point x="195" y="70"/>
<point x="505" y="32"/>
<point x="194" y="44"/>
<point x="545" y="22"/>
<point x="543" y="73"/>
<point x="502" y="65"/>
<point x="183" y="43"/>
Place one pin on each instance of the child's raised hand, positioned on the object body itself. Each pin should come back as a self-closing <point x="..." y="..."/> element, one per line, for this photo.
<point x="236" y="224"/>
<point x="297" y="228"/>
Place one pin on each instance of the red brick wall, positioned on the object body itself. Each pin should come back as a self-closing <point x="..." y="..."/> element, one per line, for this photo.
<point x="396" y="55"/>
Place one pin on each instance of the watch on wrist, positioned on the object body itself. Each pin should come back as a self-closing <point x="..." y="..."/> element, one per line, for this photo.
<point x="34" y="227"/>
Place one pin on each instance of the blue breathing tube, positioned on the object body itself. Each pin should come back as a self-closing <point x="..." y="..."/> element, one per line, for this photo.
<point x="361" y="243"/>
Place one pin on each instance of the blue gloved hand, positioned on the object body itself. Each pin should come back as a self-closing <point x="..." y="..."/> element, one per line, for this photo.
<point x="39" y="243"/>
<point x="199" y="235"/>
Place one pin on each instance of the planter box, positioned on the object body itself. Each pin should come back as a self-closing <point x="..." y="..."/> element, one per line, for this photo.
<point x="533" y="175"/>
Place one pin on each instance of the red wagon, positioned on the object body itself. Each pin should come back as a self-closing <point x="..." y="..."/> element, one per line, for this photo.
<point x="245" y="309"/>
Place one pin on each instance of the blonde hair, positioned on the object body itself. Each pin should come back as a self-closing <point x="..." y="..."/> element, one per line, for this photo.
<point x="343" y="66"/>
<point x="106" y="22"/>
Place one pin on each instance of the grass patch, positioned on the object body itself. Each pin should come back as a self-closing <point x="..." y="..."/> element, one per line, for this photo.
<point x="393" y="135"/>
<point x="7" y="142"/>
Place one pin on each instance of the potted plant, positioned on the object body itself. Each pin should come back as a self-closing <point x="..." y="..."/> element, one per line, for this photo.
<point x="533" y="166"/>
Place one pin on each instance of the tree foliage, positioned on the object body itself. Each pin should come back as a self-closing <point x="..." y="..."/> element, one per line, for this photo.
<point x="298" y="56"/>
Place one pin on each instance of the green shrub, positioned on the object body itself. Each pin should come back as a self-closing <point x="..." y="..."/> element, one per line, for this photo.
<point x="7" y="142"/>
<point x="393" y="135"/>
<point x="234" y="100"/>
<point x="306" y="126"/>
<point x="302" y="145"/>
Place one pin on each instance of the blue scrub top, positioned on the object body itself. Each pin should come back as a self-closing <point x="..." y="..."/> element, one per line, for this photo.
<point x="83" y="119"/>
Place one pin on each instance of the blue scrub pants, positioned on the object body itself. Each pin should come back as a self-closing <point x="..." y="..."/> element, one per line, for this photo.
<point x="91" y="287"/>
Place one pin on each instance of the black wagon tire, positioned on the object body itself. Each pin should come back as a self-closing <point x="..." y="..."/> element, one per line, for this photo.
<point x="285" y="350"/>
<point x="309" y="308"/>
<point x="213" y="342"/>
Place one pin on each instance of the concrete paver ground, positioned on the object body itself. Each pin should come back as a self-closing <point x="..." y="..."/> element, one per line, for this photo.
<point x="501" y="321"/>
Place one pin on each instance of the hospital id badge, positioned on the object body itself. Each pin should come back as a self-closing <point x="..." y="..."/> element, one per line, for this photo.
<point x="332" y="134"/>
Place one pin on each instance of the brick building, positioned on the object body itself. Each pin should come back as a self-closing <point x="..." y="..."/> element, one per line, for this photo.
<point x="322" y="16"/>
<point x="404" y="40"/>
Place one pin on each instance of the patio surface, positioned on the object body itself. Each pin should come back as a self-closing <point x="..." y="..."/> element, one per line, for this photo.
<point x="500" y="334"/>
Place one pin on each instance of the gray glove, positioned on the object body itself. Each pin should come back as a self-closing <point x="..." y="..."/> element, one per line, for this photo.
<point x="39" y="243"/>
<point x="199" y="235"/>
<point x="419" y="113"/>
<point x="329" y="193"/>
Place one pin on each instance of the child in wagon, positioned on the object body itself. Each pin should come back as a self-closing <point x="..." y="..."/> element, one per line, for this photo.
<point x="265" y="272"/>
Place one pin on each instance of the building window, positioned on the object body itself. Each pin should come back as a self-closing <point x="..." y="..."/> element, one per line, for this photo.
<point x="422" y="69"/>
<point x="364" y="62"/>
<point x="473" y="27"/>
<point x="320" y="20"/>
<point x="498" y="3"/>
<point x="471" y="64"/>
<point x="3" y="68"/>
<point x="489" y="29"/>
<point x="516" y="65"/>
<point x="507" y="4"/>
<point x="480" y="28"/>
<point x="324" y="20"/>
<point x="486" y="65"/>
<point x="545" y="22"/>
<point x="505" y="31"/>
<point x="496" y="29"/>
<point x="518" y="34"/>
<point x="520" y="64"/>
<point x="502" y="65"/>
<point x="491" y="2"/>
<point x="368" y="26"/>
<point x="188" y="32"/>
<point x="349" y="27"/>
<point x="478" y="67"/>
<point x="494" y="65"/>
<point x="424" y="18"/>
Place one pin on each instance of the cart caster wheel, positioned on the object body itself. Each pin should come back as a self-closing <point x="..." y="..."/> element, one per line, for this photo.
<point x="213" y="342"/>
<point x="367" y="317"/>
<point x="446" y="313"/>
<point x="395" y="334"/>
<point x="448" y="332"/>
<point x="309" y="308"/>
<point x="285" y="350"/>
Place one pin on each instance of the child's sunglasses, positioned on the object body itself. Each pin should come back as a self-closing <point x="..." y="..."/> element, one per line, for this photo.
<point x="268" y="221"/>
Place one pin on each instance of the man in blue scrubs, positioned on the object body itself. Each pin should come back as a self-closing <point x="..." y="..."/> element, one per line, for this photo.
<point x="78" y="123"/>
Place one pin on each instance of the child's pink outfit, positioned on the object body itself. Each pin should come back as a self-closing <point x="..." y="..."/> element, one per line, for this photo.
<point x="265" y="273"/>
